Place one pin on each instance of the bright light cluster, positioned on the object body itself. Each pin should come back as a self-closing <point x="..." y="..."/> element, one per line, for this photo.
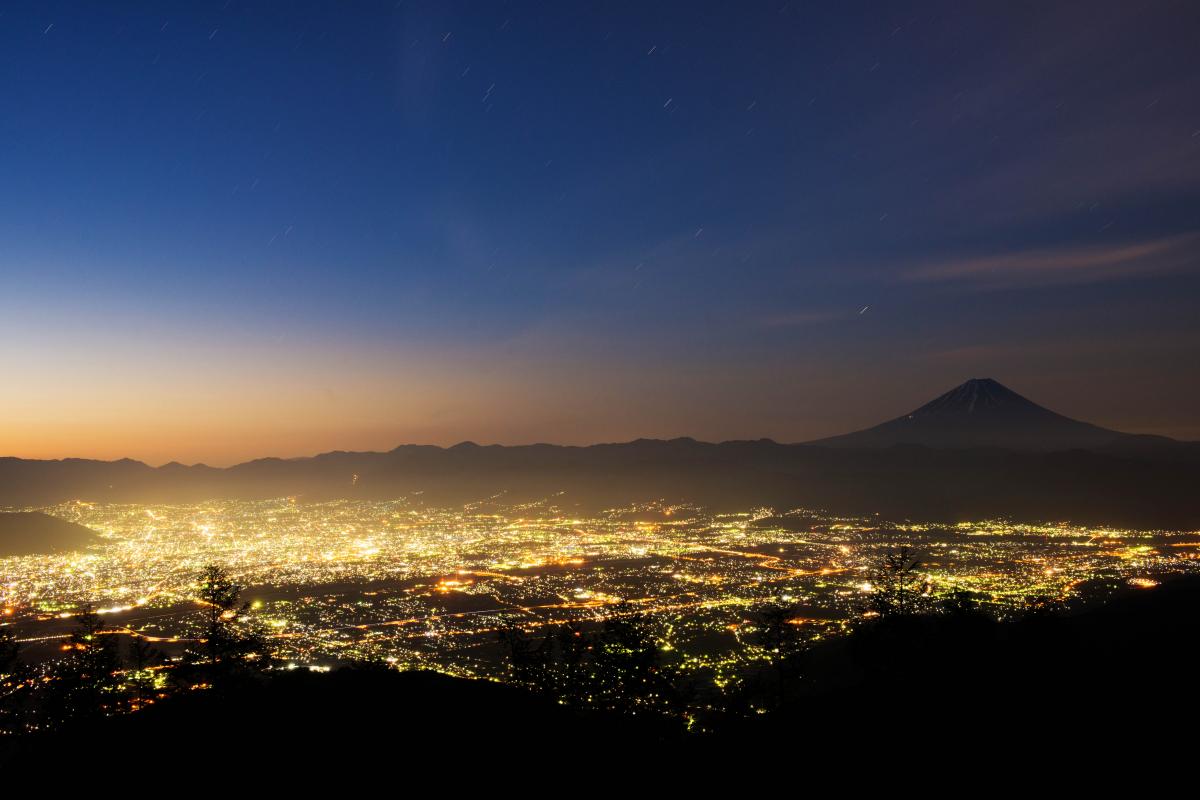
<point x="414" y="585"/>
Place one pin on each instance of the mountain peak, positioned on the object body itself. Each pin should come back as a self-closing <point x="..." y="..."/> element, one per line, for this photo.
<point x="975" y="394"/>
<point x="981" y="412"/>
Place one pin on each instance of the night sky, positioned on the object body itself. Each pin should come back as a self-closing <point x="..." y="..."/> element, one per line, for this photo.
<point x="235" y="229"/>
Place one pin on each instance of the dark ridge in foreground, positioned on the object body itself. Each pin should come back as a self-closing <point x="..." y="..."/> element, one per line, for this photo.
<point x="32" y="533"/>
<point x="369" y="718"/>
<point x="1117" y="670"/>
<point x="950" y="685"/>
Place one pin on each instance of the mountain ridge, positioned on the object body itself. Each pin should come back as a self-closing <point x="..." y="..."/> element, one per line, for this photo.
<point x="1129" y="480"/>
<point x="975" y="393"/>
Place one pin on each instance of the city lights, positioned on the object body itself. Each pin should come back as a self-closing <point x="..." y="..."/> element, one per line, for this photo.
<point x="400" y="582"/>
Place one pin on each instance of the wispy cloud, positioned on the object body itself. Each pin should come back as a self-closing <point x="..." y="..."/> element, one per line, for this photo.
<point x="1072" y="265"/>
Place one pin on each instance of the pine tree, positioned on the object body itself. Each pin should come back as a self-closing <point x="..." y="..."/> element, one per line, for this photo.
<point x="894" y="582"/>
<point x="84" y="682"/>
<point x="229" y="650"/>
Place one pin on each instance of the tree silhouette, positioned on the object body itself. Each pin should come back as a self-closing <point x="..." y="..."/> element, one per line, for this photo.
<point x="570" y="649"/>
<point x="10" y="653"/>
<point x="1041" y="606"/>
<point x="525" y="659"/>
<point x="10" y="680"/>
<point x="617" y="667"/>
<point x="554" y="665"/>
<point x="84" y="682"/>
<point x="776" y="633"/>
<point x="219" y="594"/>
<point x="229" y="650"/>
<point x="140" y="674"/>
<point x="960" y="603"/>
<point x="626" y="670"/>
<point x="894" y="581"/>
<point x="780" y="639"/>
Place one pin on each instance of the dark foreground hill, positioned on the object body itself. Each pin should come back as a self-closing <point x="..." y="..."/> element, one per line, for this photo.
<point x="1118" y="672"/>
<point x="1049" y="691"/>
<point x="367" y="721"/>
<point x="24" y="533"/>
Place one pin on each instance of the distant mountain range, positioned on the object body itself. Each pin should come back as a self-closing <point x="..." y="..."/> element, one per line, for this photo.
<point x="979" y="450"/>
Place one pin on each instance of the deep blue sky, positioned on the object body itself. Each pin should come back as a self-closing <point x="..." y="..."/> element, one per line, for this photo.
<point x="234" y="228"/>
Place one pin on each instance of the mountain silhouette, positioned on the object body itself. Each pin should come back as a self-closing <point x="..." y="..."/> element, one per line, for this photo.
<point x="978" y="451"/>
<point x="985" y="413"/>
